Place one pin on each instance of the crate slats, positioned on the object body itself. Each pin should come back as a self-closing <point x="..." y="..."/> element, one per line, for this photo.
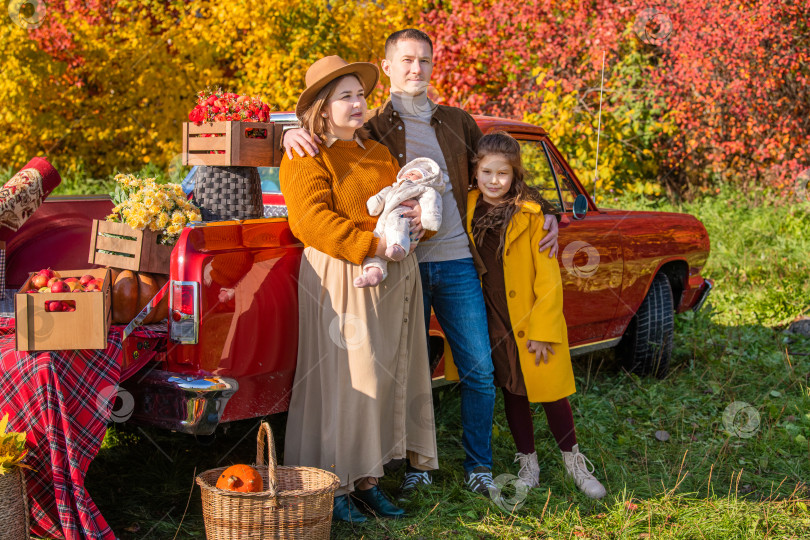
<point x="141" y="254"/>
<point x="240" y="150"/>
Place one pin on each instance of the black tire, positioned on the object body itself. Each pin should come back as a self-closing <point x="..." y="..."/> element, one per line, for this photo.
<point x="646" y="347"/>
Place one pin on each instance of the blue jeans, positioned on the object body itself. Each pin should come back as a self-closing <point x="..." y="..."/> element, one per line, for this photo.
<point x="453" y="289"/>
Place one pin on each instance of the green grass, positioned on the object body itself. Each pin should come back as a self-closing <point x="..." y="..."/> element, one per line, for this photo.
<point x="703" y="482"/>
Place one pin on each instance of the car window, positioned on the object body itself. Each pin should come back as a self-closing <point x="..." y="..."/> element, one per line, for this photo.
<point x="567" y="187"/>
<point x="538" y="171"/>
<point x="269" y="176"/>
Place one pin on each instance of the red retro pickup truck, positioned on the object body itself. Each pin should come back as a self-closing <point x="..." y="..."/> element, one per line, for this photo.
<point x="233" y="325"/>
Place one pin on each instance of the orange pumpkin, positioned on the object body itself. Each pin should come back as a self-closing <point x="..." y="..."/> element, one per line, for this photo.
<point x="243" y="478"/>
<point x="131" y="291"/>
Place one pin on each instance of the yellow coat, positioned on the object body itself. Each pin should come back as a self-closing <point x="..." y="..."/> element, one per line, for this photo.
<point x="535" y="302"/>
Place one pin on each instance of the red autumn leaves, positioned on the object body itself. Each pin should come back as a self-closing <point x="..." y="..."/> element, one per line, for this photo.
<point x="223" y="106"/>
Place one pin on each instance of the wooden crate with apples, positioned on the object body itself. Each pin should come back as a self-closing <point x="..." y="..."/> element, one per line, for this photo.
<point x="230" y="144"/>
<point x="120" y="246"/>
<point x="72" y="312"/>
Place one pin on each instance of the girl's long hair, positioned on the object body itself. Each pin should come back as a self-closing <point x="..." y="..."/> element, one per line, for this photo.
<point x="500" y="215"/>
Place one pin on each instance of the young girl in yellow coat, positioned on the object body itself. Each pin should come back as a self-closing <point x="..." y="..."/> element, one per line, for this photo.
<point x="524" y="301"/>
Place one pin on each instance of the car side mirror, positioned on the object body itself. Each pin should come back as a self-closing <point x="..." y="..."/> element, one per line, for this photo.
<point x="580" y="206"/>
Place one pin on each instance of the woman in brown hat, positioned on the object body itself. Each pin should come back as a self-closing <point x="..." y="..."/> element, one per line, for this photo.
<point x="361" y="395"/>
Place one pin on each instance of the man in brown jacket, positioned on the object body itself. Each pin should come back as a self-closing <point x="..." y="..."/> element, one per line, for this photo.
<point x="412" y="126"/>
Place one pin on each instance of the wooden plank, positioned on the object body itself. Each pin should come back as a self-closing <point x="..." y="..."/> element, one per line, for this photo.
<point x="234" y="135"/>
<point x="206" y="127"/>
<point x="122" y="229"/>
<point x="275" y="144"/>
<point x="115" y="261"/>
<point x="93" y="235"/>
<point x="184" y="154"/>
<point x="213" y="160"/>
<point x="119" y="245"/>
<point x="205" y="144"/>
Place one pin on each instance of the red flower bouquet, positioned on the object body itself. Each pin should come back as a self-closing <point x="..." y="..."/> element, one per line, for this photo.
<point x="216" y="105"/>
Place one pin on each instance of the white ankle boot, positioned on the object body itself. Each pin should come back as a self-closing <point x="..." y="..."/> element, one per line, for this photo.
<point x="581" y="470"/>
<point x="529" y="469"/>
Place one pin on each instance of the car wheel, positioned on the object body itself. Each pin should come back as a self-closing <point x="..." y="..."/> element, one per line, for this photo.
<point x="646" y="346"/>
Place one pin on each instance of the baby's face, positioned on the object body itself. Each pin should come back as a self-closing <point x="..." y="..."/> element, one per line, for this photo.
<point x="413" y="175"/>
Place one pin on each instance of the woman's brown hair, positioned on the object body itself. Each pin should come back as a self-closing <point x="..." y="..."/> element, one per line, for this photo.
<point x="312" y="119"/>
<point x="500" y="215"/>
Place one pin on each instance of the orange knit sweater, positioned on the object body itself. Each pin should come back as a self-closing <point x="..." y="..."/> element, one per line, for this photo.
<point x="326" y="196"/>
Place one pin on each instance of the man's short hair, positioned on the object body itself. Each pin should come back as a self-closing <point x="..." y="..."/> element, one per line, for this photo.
<point x="408" y="33"/>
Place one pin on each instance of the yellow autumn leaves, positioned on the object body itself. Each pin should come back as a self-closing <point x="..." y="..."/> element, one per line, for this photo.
<point x="12" y="448"/>
<point x="142" y="203"/>
<point x="116" y="96"/>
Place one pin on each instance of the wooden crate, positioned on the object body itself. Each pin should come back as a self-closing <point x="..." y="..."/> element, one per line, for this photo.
<point x="138" y="251"/>
<point x="85" y="328"/>
<point x="230" y="138"/>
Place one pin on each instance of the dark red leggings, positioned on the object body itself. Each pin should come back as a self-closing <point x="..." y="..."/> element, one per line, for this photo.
<point x="519" y="416"/>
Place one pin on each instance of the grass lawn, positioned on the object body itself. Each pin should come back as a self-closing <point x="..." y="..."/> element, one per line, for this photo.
<point x="741" y="476"/>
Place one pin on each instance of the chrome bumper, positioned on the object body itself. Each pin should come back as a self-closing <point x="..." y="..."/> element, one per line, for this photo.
<point x="708" y="285"/>
<point x="179" y="402"/>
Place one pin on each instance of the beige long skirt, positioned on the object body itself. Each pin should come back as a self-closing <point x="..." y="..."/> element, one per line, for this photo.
<point x="361" y="395"/>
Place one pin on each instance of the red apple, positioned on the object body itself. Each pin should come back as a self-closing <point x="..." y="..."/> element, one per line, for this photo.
<point x="73" y="283"/>
<point x="39" y="280"/>
<point x="85" y="279"/>
<point x="60" y="286"/>
<point x="47" y="272"/>
<point x="92" y="286"/>
<point x="66" y="306"/>
<point x="32" y="291"/>
<point x="53" y="280"/>
<point x="53" y="306"/>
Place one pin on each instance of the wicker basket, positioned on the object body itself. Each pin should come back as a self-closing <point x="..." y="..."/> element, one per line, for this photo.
<point x="297" y="504"/>
<point x="226" y="193"/>
<point x="13" y="505"/>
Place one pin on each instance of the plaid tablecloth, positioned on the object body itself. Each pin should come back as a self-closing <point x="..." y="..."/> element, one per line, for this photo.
<point x="63" y="400"/>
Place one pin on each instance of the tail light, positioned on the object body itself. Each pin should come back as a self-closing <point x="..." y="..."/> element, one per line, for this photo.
<point x="184" y="312"/>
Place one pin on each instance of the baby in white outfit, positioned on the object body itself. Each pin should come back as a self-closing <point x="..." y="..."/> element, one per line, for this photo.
<point x="420" y="179"/>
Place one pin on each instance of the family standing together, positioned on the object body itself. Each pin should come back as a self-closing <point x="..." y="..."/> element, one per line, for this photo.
<point x="460" y="233"/>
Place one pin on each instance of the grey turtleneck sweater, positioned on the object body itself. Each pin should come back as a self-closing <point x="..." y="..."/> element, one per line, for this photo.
<point x="450" y="243"/>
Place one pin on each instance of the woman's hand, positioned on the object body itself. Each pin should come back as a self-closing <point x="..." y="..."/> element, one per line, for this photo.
<point x="541" y="349"/>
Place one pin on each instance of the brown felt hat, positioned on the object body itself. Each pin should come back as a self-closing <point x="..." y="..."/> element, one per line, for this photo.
<point x="329" y="68"/>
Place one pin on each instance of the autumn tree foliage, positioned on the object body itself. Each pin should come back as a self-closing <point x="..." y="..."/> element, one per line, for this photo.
<point x="104" y="85"/>
<point x="700" y="92"/>
<point x="734" y="78"/>
<point x="719" y="91"/>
